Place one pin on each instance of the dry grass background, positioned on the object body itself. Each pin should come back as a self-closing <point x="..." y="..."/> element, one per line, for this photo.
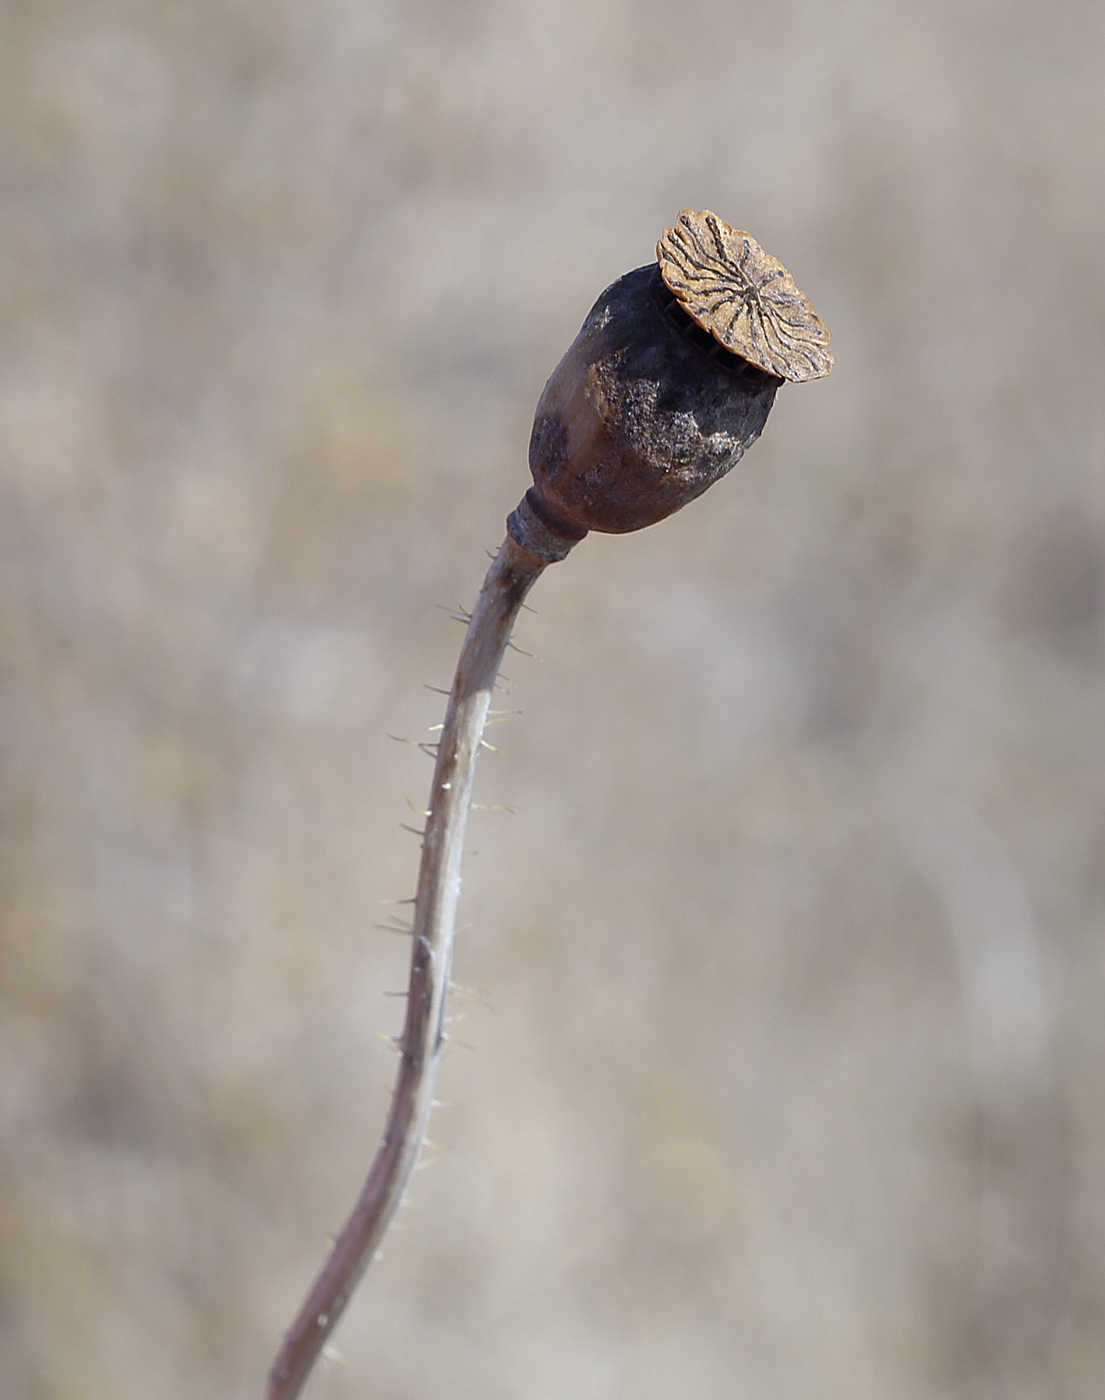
<point x="788" y="1075"/>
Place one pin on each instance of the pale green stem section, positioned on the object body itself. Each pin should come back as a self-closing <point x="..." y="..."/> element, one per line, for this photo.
<point x="508" y="581"/>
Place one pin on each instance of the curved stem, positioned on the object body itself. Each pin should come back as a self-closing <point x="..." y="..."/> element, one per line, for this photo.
<point x="508" y="581"/>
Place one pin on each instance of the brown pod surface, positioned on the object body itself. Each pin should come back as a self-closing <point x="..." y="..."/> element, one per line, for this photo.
<point x="644" y="412"/>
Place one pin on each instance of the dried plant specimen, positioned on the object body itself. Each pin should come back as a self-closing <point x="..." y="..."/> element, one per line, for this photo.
<point x="744" y="297"/>
<point x="642" y="415"/>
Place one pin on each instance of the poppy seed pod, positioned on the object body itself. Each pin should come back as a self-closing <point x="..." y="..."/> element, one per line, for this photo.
<point x="667" y="384"/>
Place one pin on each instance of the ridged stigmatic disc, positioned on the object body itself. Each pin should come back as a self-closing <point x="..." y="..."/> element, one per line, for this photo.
<point x="744" y="297"/>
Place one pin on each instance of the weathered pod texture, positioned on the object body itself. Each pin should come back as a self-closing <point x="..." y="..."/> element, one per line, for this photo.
<point x="667" y="384"/>
<point x="642" y="414"/>
<point x="743" y="296"/>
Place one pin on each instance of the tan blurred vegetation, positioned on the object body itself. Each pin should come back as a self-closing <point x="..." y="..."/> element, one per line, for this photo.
<point x="788" y="1075"/>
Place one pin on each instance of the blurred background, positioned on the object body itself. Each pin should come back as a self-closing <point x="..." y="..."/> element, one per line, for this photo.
<point x="786" y="1074"/>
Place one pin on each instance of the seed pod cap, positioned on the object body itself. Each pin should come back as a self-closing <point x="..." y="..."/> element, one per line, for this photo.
<point x="743" y="297"/>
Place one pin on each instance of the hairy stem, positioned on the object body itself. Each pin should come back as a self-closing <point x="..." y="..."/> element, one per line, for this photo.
<point x="508" y="581"/>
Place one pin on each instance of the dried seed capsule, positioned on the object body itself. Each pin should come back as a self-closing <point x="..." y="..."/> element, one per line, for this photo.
<point x="651" y="404"/>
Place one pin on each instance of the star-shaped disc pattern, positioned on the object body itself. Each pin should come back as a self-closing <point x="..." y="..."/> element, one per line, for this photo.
<point x="744" y="297"/>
